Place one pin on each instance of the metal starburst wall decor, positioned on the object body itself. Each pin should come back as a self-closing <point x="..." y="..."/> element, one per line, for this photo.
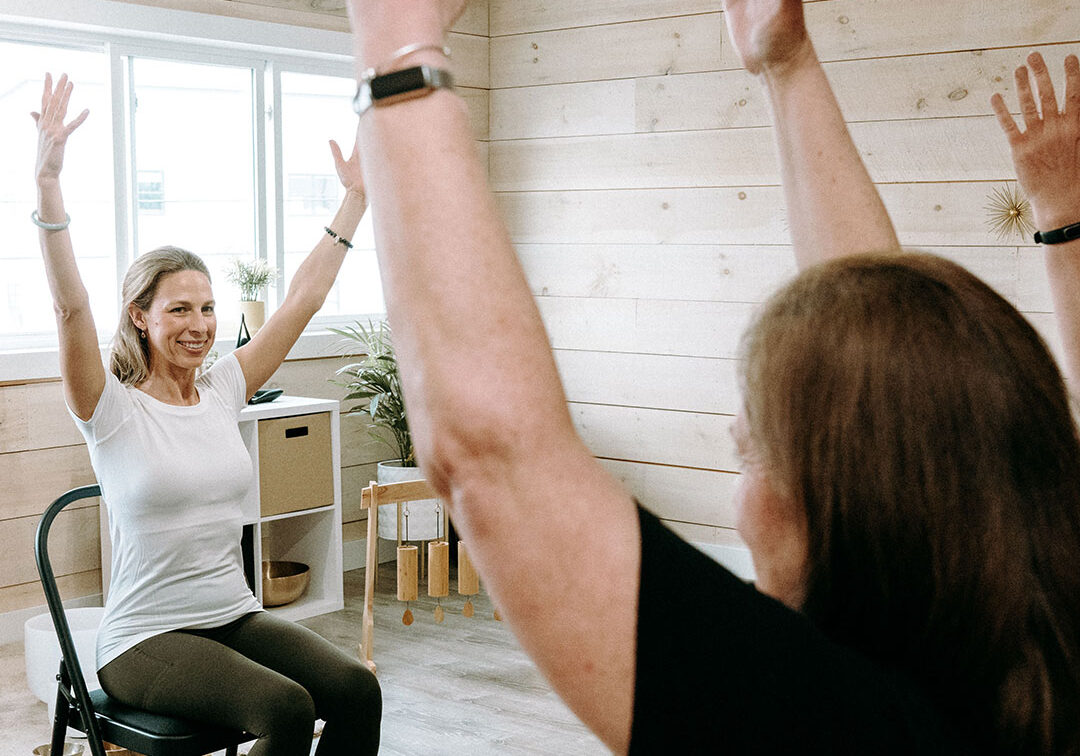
<point x="1009" y="212"/>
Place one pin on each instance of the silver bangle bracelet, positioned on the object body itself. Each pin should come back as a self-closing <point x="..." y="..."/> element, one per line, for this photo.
<point x="50" y="226"/>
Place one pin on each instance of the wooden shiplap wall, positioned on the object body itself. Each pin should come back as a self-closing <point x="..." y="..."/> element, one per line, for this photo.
<point x="634" y="162"/>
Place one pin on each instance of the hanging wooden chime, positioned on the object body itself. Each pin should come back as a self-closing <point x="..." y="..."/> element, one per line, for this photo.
<point x="406" y="568"/>
<point x="406" y="579"/>
<point x="438" y="574"/>
<point x="468" y="581"/>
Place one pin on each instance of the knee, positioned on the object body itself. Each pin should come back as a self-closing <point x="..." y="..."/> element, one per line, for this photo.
<point x="285" y="711"/>
<point x="359" y="694"/>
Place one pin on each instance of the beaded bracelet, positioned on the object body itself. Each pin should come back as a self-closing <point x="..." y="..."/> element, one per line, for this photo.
<point x="50" y="226"/>
<point x="338" y="239"/>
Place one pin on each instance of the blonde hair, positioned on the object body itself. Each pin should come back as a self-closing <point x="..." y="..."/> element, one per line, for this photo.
<point x="129" y="355"/>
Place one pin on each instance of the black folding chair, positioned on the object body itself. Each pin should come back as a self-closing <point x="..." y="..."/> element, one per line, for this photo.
<point x="93" y="712"/>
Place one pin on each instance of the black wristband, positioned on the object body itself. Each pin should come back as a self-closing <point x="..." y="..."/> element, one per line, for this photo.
<point x="338" y="238"/>
<point x="1058" y="235"/>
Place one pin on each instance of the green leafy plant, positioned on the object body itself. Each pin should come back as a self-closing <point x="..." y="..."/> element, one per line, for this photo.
<point x="376" y="385"/>
<point x="250" y="276"/>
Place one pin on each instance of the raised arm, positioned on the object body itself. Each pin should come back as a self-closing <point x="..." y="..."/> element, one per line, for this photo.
<point x="81" y="368"/>
<point x="1046" y="155"/>
<point x="555" y="538"/>
<point x="833" y="207"/>
<point x="261" y="356"/>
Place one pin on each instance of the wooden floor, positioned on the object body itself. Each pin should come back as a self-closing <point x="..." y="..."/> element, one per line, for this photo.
<point x="462" y="687"/>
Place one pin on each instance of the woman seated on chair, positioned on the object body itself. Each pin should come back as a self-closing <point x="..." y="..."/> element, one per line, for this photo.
<point x="911" y="473"/>
<point x="182" y="633"/>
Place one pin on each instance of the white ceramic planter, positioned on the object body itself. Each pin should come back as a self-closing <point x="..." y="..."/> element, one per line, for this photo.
<point x="254" y="315"/>
<point x="425" y="517"/>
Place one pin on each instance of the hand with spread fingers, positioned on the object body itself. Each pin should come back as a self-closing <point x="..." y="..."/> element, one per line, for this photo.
<point x="1046" y="153"/>
<point x="769" y="35"/>
<point x="53" y="133"/>
<point x="348" y="171"/>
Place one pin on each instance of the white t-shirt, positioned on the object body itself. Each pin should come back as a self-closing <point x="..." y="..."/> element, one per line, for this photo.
<point x="173" y="480"/>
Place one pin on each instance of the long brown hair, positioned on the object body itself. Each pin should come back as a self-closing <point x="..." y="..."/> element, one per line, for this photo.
<point x="924" y="427"/>
<point x="129" y="355"/>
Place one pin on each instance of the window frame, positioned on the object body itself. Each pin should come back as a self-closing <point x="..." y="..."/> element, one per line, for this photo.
<point x="137" y="31"/>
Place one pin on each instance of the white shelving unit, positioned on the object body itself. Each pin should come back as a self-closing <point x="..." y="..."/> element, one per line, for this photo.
<point x="311" y="536"/>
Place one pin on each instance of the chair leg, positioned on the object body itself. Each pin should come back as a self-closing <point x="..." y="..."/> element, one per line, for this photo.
<point x="231" y="750"/>
<point x="60" y="713"/>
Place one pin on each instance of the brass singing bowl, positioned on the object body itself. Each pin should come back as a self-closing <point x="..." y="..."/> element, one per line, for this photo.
<point x="70" y="749"/>
<point x="283" y="582"/>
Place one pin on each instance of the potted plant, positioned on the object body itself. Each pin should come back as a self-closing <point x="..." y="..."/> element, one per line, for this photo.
<point x="375" y="385"/>
<point x="251" y="277"/>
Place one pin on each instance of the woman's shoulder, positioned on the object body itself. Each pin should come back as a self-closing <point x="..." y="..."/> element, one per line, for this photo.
<point x="720" y="662"/>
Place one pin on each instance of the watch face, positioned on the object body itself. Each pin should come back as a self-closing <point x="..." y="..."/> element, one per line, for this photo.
<point x="398" y="82"/>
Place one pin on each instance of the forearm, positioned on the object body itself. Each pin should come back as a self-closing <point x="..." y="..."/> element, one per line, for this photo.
<point x="1063" y="271"/>
<point x="1051" y="211"/>
<point x="833" y="207"/>
<point x="70" y="298"/>
<point x="317" y="273"/>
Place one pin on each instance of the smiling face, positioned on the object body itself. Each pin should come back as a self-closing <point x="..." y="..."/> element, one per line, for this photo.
<point x="180" y="323"/>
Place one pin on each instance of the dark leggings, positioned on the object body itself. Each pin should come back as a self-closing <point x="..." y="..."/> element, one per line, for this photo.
<point x="261" y="674"/>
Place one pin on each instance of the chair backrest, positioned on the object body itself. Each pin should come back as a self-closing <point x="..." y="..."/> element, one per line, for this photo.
<point x="70" y="671"/>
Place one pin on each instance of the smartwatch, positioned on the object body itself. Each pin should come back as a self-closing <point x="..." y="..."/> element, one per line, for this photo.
<point x="1058" y="235"/>
<point x="376" y="90"/>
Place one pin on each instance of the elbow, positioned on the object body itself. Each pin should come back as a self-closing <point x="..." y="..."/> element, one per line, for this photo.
<point x="70" y="311"/>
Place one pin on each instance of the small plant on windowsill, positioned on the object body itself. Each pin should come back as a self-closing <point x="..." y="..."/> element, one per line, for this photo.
<point x="251" y="277"/>
<point x="376" y="385"/>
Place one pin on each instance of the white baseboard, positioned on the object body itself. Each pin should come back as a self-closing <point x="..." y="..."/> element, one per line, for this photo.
<point x="11" y="623"/>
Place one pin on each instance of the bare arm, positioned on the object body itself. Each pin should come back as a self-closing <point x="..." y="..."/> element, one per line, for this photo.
<point x="833" y="207"/>
<point x="1046" y="155"/>
<point x="81" y="370"/>
<point x="555" y="538"/>
<point x="260" y="357"/>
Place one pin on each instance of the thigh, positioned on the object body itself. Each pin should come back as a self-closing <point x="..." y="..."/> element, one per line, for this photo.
<point x="331" y="676"/>
<point x="196" y="678"/>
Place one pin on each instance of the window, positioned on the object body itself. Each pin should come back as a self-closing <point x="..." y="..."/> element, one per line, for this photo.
<point x="151" y="191"/>
<point x="195" y="121"/>
<point x="312" y="105"/>
<point x="311" y="194"/>
<point x="26" y="316"/>
<point x="182" y="147"/>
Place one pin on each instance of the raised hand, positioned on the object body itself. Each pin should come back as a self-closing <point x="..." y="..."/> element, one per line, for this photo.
<point x="52" y="131"/>
<point x="769" y="35"/>
<point x="1046" y="154"/>
<point x="348" y="171"/>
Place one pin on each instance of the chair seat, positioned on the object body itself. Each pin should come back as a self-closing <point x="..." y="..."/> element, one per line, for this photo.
<point x="146" y="732"/>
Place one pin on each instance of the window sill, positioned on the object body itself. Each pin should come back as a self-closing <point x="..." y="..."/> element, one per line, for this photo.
<point x="25" y="365"/>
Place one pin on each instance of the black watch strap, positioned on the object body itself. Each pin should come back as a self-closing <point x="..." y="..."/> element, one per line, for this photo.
<point x="1058" y="235"/>
<point x="374" y="90"/>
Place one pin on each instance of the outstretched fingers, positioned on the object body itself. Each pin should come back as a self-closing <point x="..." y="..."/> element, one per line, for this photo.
<point x="1005" y="119"/>
<point x="76" y="122"/>
<point x="1028" y="107"/>
<point x="1072" y="85"/>
<point x="1047" y="97"/>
